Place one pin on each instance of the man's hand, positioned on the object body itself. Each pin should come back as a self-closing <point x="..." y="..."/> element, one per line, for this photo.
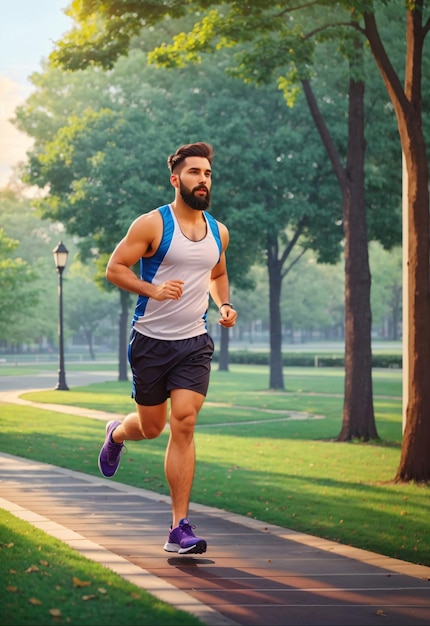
<point x="170" y="290"/>
<point x="228" y="316"/>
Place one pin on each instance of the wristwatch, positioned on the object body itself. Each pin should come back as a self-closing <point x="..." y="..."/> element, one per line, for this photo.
<point x="226" y="304"/>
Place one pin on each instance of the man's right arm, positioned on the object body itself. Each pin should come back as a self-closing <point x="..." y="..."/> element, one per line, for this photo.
<point x="126" y="254"/>
<point x="141" y="240"/>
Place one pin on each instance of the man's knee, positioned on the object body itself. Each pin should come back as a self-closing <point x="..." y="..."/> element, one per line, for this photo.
<point x="152" y="431"/>
<point x="183" y="425"/>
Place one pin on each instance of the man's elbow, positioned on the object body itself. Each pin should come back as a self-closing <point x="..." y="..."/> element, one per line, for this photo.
<point x="109" y="273"/>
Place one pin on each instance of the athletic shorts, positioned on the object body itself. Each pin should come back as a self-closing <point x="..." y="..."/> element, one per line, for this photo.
<point x="158" y="366"/>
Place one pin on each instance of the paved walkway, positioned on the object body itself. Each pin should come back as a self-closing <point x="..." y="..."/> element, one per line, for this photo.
<point x="252" y="574"/>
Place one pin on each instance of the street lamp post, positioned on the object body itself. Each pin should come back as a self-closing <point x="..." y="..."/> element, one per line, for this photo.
<point x="60" y="259"/>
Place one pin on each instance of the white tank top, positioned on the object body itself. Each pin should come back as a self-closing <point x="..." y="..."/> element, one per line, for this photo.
<point x="177" y="257"/>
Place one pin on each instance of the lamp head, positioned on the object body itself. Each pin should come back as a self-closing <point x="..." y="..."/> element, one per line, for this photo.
<point x="60" y="253"/>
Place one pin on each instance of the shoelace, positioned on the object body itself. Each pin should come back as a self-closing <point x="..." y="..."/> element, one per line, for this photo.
<point x="187" y="529"/>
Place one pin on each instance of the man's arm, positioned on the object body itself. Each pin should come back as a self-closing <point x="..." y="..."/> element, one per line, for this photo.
<point x="219" y="287"/>
<point x="141" y="240"/>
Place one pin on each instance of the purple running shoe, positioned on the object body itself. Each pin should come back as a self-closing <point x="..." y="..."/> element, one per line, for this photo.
<point x="110" y="453"/>
<point x="183" y="540"/>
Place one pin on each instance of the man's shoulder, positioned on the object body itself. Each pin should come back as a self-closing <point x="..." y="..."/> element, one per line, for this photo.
<point x="160" y="210"/>
<point x="149" y="221"/>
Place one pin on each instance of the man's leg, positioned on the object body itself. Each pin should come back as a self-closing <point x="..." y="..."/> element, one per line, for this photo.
<point x="180" y="453"/>
<point x="179" y="468"/>
<point x="147" y="423"/>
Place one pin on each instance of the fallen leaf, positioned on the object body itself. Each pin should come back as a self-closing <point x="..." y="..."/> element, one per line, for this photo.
<point x="12" y="589"/>
<point x="34" y="601"/>
<point x="44" y="563"/>
<point x="32" y="568"/>
<point x="80" y="583"/>
<point x="91" y="597"/>
<point x="135" y="595"/>
<point x="55" y="612"/>
<point x="101" y="590"/>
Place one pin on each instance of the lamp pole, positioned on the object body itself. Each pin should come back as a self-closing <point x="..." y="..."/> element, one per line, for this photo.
<point x="60" y="259"/>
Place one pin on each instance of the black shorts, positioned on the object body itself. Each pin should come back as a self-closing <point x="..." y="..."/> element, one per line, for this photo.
<point x="158" y="366"/>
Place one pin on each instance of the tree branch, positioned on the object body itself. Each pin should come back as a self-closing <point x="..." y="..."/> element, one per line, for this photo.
<point x="329" y="145"/>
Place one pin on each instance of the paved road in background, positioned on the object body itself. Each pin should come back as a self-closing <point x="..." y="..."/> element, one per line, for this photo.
<point x="48" y="380"/>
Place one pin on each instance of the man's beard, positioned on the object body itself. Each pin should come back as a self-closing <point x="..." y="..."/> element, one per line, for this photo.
<point x="199" y="203"/>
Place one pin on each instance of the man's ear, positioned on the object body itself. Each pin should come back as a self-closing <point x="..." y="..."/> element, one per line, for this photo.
<point x="174" y="180"/>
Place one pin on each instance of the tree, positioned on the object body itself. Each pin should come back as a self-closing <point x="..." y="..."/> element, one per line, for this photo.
<point x="16" y="277"/>
<point x="317" y="303"/>
<point x="88" y="308"/>
<point x="386" y="290"/>
<point x="35" y="241"/>
<point x="260" y="19"/>
<point x="407" y="102"/>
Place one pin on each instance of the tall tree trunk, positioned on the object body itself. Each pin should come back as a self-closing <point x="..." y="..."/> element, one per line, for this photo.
<point x="89" y="335"/>
<point x="274" y="266"/>
<point x="358" y="420"/>
<point x="124" y="333"/>
<point x="415" y="455"/>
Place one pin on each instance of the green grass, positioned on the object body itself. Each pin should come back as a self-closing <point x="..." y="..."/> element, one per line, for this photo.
<point x="255" y="457"/>
<point x="44" y="582"/>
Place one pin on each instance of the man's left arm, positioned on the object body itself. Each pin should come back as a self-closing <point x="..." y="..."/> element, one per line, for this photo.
<point x="219" y="289"/>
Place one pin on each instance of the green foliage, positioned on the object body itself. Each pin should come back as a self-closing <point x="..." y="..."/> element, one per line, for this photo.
<point x="105" y="29"/>
<point x="387" y="275"/>
<point x="91" y="310"/>
<point x="17" y="293"/>
<point x="30" y="288"/>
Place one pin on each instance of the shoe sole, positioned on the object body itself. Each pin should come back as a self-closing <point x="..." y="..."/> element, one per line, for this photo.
<point x="198" y="548"/>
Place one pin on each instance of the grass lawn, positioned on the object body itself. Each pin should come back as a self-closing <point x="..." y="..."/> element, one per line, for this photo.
<point x="260" y="453"/>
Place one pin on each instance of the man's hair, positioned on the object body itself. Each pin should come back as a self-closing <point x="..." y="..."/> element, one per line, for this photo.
<point x="200" y="149"/>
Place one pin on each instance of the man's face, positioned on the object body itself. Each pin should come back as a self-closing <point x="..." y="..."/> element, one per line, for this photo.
<point x="195" y="183"/>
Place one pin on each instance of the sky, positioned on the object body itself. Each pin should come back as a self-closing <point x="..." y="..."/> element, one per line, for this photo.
<point x="28" y="30"/>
